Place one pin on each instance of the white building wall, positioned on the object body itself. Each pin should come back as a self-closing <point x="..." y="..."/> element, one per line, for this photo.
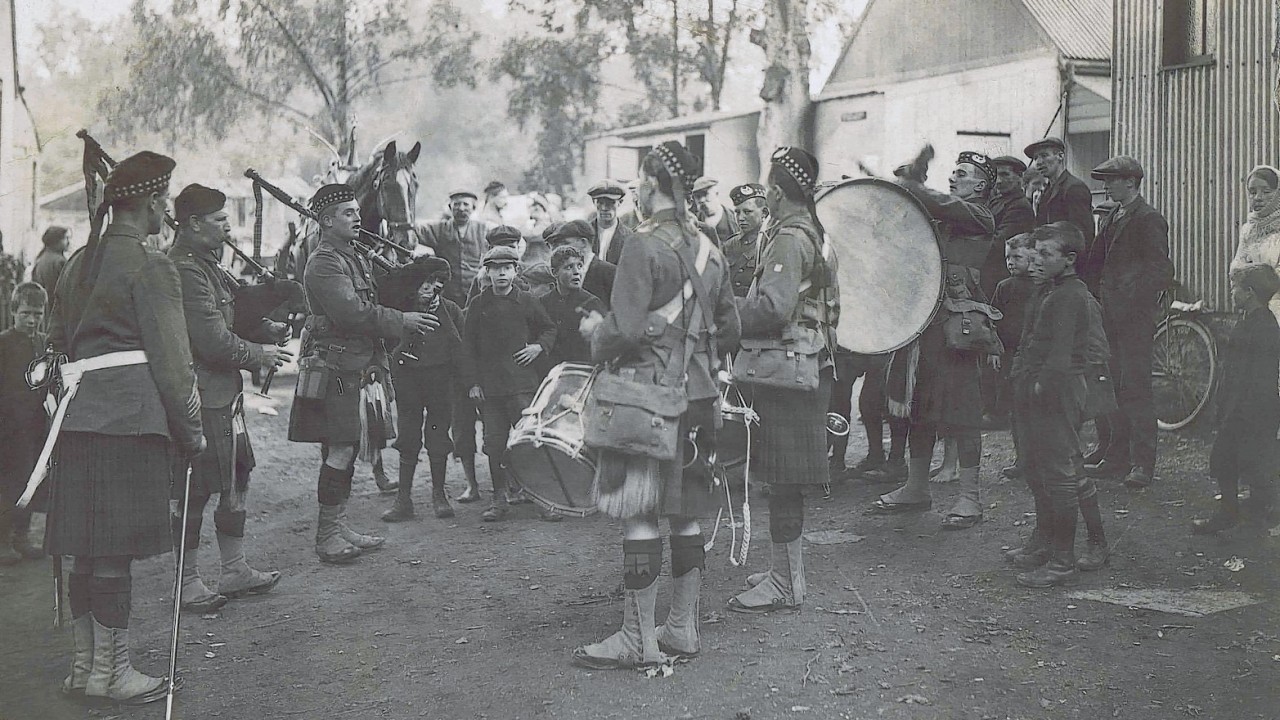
<point x="18" y="154"/>
<point x="1010" y="104"/>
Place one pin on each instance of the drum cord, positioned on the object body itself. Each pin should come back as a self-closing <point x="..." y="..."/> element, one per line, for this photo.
<point x="749" y="417"/>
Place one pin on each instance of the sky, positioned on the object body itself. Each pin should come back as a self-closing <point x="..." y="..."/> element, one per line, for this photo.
<point x="32" y="12"/>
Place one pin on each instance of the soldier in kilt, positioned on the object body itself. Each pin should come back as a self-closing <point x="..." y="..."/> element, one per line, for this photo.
<point x="208" y="294"/>
<point x="343" y="353"/>
<point x="117" y="314"/>
<point x="653" y="323"/>
<point x="794" y="297"/>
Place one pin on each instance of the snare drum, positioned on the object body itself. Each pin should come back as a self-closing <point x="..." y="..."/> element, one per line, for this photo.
<point x="547" y="452"/>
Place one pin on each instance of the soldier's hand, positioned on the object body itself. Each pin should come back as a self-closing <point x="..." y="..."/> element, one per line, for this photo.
<point x="274" y="356"/>
<point x="197" y="447"/>
<point x="475" y="393"/>
<point x="994" y="362"/>
<point x="278" y="331"/>
<point x="527" y="354"/>
<point x="421" y="323"/>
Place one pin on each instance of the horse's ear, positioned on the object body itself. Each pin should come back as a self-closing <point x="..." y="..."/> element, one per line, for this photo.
<point x="389" y="155"/>
<point x="412" y="157"/>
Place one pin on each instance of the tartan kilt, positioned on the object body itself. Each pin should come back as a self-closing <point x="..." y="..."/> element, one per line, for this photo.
<point x="109" y="496"/>
<point x="335" y="420"/>
<point x="211" y="469"/>
<point x="687" y="492"/>
<point x="791" y="441"/>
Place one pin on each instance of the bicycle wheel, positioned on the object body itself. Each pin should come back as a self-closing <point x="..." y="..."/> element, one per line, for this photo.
<point x="1184" y="369"/>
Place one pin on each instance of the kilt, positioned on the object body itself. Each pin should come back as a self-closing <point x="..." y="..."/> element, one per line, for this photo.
<point x="211" y="469"/>
<point x="948" y="389"/>
<point x="791" y="447"/>
<point x="109" y="496"/>
<point x="335" y="420"/>
<point x="687" y="492"/>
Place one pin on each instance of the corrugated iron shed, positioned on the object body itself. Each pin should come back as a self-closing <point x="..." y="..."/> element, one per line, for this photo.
<point x="1080" y="28"/>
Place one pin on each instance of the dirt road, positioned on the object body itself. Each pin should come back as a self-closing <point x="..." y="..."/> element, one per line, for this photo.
<point x="462" y="619"/>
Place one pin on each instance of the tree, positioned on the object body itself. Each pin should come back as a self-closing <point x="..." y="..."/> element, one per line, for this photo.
<point x="784" y="37"/>
<point x="310" y="63"/>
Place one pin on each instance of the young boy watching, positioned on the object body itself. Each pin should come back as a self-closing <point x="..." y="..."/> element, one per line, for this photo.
<point x="1011" y="298"/>
<point x="567" y="304"/>
<point x="1049" y="390"/>
<point x="23" y="421"/>
<point x="505" y="331"/>
<point x="1248" y="403"/>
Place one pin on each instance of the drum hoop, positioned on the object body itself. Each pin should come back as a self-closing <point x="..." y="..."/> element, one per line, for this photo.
<point x="937" y="239"/>
<point x="554" y="440"/>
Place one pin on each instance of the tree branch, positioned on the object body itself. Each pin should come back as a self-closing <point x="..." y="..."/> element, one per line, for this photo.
<point x="325" y="91"/>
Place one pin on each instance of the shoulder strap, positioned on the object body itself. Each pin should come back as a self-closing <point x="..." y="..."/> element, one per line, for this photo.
<point x="693" y="285"/>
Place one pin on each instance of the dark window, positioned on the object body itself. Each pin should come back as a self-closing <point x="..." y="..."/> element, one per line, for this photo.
<point x="697" y="147"/>
<point x="1190" y="31"/>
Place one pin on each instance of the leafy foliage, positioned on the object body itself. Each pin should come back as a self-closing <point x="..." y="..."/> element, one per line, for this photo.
<point x="199" y="68"/>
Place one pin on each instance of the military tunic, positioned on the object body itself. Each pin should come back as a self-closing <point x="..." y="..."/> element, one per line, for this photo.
<point x="208" y="301"/>
<point x="742" y="251"/>
<point x="792" y="445"/>
<point x="650" y="273"/>
<point x="109" y="482"/>
<point x="346" y="328"/>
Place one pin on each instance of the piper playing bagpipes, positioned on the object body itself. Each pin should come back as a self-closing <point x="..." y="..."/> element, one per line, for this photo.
<point x="208" y="292"/>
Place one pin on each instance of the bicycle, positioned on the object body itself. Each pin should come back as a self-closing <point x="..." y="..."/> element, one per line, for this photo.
<point x="1184" y="364"/>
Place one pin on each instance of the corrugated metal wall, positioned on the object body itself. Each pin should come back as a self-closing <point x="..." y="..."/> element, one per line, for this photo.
<point x="1197" y="130"/>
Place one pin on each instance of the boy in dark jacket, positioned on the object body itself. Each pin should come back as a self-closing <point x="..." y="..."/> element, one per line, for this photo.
<point x="1049" y="388"/>
<point x="23" y="421"/>
<point x="1010" y="298"/>
<point x="427" y="371"/>
<point x="566" y="305"/>
<point x="506" y="331"/>
<point x="1248" y="402"/>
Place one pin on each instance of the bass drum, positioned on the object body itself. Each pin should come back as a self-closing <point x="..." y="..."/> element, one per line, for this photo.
<point x="889" y="263"/>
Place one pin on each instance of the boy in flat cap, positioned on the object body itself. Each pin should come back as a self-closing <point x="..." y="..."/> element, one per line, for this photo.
<point x="608" y="235"/>
<point x="208" y="301"/>
<point x="118" y="316"/>
<point x="345" y="330"/>
<point x="597" y="274"/>
<point x="460" y="239"/>
<point x="1065" y="196"/>
<point x="505" y="331"/>
<point x="427" y="370"/>
<point x="1127" y="268"/>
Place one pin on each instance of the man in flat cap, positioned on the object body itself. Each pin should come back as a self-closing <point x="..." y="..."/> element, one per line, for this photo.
<point x="718" y="222"/>
<point x="609" y="235"/>
<point x="344" y="364"/>
<point x="1012" y="213"/>
<point x="1126" y="268"/>
<point x="1065" y="197"/>
<point x="460" y="240"/>
<point x="117" y="315"/>
<point x="208" y="300"/>
<point x="597" y="275"/>
<point x="742" y="248"/>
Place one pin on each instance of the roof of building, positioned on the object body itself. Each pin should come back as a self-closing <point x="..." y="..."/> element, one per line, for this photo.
<point x="1080" y="28"/>
<point x="683" y="122"/>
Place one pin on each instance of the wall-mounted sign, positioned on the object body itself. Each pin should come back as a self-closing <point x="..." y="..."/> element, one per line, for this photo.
<point x="853" y="116"/>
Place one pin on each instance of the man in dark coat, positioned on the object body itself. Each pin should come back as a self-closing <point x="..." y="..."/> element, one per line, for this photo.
<point x="1127" y="267"/>
<point x="208" y="300"/>
<point x="119" y="320"/>
<point x="460" y="240"/>
<point x="1066" y="197"/>
<point x="48" y="264"/>
<point x="1013" y="215"/>
<point x="608" y="235"/>
<point x="597" y="274"/>
<point x="343" y="351"/>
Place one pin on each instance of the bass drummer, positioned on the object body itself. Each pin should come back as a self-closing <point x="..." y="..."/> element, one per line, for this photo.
<point x="794" y="302"/>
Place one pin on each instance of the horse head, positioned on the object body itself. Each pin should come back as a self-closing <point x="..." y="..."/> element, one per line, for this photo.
<point x="387" y="189"/>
